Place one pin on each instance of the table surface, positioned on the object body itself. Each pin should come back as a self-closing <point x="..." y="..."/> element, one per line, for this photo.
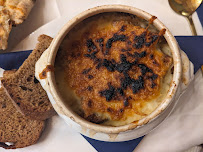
<point x="156" y="8"/>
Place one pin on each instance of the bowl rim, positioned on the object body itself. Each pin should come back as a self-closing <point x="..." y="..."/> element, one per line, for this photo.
<point x="113" y="8"/>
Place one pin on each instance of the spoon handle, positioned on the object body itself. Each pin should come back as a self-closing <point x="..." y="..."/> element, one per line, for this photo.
<point x="192" y="26"/>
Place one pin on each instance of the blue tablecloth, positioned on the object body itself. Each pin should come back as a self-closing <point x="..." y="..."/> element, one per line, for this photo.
<point x="193" y="46"/>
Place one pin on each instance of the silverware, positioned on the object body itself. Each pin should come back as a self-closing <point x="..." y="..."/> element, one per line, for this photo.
<point x="186" y="8"/>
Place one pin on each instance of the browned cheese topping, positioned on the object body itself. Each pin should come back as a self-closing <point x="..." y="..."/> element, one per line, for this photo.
<point x="114" y="69"/>
<point x="43" y="74"/>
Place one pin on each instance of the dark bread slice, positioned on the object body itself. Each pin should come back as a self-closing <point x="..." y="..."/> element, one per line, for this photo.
<point x="14" y="127"/>
<point x="8" y="72"/>
<point x="25" y="90"/>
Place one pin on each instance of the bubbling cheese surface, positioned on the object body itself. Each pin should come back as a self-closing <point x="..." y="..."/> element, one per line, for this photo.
<point x="112" y="70"/>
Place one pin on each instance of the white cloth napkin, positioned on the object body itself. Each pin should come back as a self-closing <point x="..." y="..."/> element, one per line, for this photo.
<point x="184" y="127"/>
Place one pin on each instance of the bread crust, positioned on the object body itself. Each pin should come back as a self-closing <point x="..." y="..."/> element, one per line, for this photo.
<point x="14" y="127"/>
<point x="5" y="28"/>
<point x="12" y="12"/>
<point x="25" y="91"/>
<point x="19" y="9"/>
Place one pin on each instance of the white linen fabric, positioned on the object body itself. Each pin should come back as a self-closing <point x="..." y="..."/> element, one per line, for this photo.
<point x="183" y="128"/>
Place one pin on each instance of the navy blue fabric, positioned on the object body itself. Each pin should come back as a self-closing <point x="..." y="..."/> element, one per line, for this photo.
<point x="101" y="146"/>
<point x="200" y="13"/>
<point x="193" y="46"/>
<point x="13" y="60"/>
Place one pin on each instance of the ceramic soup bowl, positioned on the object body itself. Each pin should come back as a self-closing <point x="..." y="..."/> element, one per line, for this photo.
<point x="131" y="130"/>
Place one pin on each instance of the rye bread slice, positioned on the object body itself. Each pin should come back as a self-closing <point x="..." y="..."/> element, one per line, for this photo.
<point x="25" y="90"/>
<point x="14" y="127"/>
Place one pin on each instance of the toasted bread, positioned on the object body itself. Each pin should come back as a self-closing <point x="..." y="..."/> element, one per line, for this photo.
<point x="12" y="12"/>
<point x="18" y="9"/>
<point x="25" y="90"/>
<point x="16" y="129"/>
<point x="5" y="28"/>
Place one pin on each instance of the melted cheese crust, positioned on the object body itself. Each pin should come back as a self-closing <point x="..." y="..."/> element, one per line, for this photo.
<point x="114" y="68"/>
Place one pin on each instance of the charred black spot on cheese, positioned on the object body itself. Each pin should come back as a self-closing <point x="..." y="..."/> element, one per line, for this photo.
<point x="137" y="84"/>
<point x="109" y="65"/>
<point x="151" y="56"/>
<point x="90" y="88"/>
<point x="89" y="104"/>
<point x="91" y="55"/>
<point x="123" y="28"/>
<point x="139" y="40"/>
<point x="90" y="44"/>
<point x="124" y="65"/>
<point x="153" y="39"/>
<point x="129" y="98"/>
<point x="132" y="55"/>
<point x="136" y="54"/>
<point x="155" y="63"/>
<point x="125" y="103"/>
<point x="124" y="50"/>
<point x="110" y="110"/>
<point x="90" y="77"/>
<point x="101" y="43"/>
<point x="154" y="76"/>
<point x="144" y="69"/>
<point x="120" y="91"/>
<point x="87" y="55"/>
<point x="126" y="81"/>
<point x="115" y="38"/>
<point x="113" y="61"/>
<point x="121" y="110"/>
<point x="86" y="71"/>
<point x="142" y="54"/>
<point x="106" y="52"/>
<point x="129" y="42"/>
<point x="108" y="93"/>
<point x="99" y="65"/>
<point x="153" y="85"/>
<point x="100" y="40"/>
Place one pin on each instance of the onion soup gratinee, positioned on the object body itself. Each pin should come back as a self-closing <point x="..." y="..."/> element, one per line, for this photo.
<point x="117" y="66"/>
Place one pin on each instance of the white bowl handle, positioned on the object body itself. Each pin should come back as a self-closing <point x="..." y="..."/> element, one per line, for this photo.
<point x="187" y="75"/>
<point x="40" y="65"/>
<point x="187" y="71"/>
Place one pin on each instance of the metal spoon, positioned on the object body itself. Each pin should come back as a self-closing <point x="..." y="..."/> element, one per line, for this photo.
<point x="186" y="8"/>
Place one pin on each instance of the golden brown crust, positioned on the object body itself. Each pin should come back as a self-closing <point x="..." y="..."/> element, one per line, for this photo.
<point x="114" y="69"/>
